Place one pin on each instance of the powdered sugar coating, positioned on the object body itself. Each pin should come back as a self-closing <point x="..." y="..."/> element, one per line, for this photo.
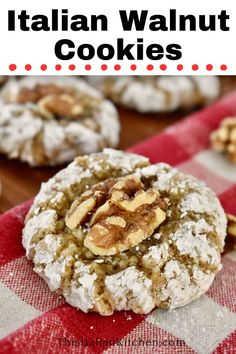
<point x="43" y="222"/>
<point x="25" y="135"/>
<point x="81" y="291"/>
<point x="53" y="272"/>
<point x="159" y="93"/>
<point x="130" y="289"/>
<point x="157" y="255"/>
<point x="190" y="239"/>
<point x="174" y="266"/>
<point x="180" y="287"/>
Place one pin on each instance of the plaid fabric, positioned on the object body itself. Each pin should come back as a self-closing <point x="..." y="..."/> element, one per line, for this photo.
<point x="34" y="320"/>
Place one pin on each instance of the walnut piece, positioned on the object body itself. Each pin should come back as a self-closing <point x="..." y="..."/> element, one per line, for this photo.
<point x="61" y="102"/>
<point x="116" y="215"/>
<point x="231" y="229"/>
<point x="61" y="105"/>
<point x="39" y="91"/>
<point x="224" y="138"/>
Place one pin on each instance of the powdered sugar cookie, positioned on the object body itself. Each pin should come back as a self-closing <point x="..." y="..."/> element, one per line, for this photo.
<point x="50" y="120"/>
<point x="158" y="93"/>
<point x="112" y="232"/>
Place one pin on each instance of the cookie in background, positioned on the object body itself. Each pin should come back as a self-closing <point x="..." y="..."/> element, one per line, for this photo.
<point x="50" y="120"/>
<point x="158" y="94"/>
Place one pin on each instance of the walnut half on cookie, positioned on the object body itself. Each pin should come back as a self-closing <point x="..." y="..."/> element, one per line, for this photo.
<point x="113" y="232"/>
<point x="118" y="213"/>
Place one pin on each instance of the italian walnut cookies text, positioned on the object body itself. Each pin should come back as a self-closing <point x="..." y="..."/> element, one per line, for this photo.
<point x="134" y="20"/>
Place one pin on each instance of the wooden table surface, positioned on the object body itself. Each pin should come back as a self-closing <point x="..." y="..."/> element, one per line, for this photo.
<point x="21" y="182"/>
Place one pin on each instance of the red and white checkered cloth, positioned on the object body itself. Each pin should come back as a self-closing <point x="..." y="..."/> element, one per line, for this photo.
<point x="34" y="320"/>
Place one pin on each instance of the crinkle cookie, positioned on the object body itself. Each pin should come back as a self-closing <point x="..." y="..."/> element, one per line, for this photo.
<point x="158" y="93"/>
<point x="112" y="232"/>
<point x="50" y="120"/>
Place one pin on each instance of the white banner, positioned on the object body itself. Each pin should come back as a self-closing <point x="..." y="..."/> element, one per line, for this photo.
<point x="124" y="38"/>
